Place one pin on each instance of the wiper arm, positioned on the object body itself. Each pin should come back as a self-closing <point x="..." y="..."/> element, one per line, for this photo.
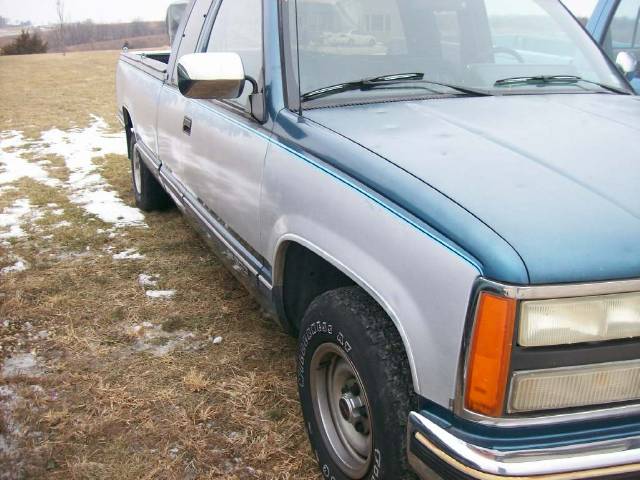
<point x="373" y="82"/>
<point x="361" y="85"/>
<point x="559" y="79"/>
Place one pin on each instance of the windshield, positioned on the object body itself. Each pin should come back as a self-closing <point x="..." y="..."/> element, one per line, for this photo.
<point x="472" y="43"/>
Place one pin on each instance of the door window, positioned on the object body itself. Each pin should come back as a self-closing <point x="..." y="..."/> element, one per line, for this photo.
<point x="187" y="44"/>
<point x="238" y="28"/>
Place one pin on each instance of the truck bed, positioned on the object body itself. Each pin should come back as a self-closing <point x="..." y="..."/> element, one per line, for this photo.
<point x="139" y="81"/>
<point x="152" y="62"/>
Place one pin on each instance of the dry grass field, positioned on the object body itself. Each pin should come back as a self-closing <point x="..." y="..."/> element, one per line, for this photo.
<point x="106" y="372"/>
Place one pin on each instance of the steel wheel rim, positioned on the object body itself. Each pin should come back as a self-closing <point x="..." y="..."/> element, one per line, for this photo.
<point x="137" y="174"/>
<point x="338" y="412"/>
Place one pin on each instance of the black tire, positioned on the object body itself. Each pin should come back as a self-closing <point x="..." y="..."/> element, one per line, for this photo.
<point x="349" y="320"/>
<point x="149" y="194"/>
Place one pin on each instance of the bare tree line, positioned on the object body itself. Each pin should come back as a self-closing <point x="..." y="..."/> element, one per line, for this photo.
<point x="89" y="32"/>
<point x="80" y="33"/>
<point x="65" y="35"/>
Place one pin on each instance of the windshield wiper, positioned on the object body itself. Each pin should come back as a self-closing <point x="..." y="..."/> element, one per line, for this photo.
<point x="557" y="79"/>
<point x="373" y="82"/>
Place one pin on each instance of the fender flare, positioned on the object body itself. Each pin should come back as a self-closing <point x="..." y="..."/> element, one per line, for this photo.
<point x="278" y="274"/>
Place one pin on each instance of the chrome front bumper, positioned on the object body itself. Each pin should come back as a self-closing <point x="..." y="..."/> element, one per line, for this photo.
<point x="433" y="450"/>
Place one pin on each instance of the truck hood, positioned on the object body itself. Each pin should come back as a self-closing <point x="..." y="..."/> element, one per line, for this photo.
<point x="556" y="176"/>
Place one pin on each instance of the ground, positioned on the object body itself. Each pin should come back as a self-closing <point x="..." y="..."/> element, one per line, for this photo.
<point x="127" y="350"/>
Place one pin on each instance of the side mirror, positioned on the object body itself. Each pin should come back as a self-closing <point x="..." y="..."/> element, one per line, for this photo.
<point x="627" y="62"/>
<point x="210" y="76"/>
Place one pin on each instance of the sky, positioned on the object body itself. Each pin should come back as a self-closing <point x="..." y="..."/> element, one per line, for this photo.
<point x="42" y="12"/>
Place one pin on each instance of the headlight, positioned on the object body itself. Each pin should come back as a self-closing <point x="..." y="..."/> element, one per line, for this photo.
<point x="574" y="387"/>
<point x="578" y="320"/>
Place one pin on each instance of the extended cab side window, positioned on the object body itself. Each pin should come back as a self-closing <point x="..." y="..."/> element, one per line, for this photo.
<point x="238" y="28"/>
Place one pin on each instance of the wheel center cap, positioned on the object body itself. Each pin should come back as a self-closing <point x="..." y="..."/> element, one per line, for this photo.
<point x="350" y="406"/>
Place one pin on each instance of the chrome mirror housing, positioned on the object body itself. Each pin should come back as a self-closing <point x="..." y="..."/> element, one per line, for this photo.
<point x="211" y="76"/>
<point x="627" y="62"/>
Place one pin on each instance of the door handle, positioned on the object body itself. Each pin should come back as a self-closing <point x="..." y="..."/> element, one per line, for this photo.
<point x="186" y="125"/>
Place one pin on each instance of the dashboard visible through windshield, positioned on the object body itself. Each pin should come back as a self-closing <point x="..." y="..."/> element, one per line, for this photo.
<point x="472" y="43"/>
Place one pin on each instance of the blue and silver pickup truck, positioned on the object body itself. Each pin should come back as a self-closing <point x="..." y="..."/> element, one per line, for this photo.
<point x="439" y="198"/>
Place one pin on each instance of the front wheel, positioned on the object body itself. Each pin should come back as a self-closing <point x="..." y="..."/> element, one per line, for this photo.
<point x="355" y="388"/>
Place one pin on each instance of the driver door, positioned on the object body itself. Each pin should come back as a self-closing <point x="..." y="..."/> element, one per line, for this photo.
<point x="225" y="146"/>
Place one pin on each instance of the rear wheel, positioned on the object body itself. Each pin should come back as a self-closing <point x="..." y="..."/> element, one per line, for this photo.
<point x="149" y="194"/>
<point x="355" y="388"/>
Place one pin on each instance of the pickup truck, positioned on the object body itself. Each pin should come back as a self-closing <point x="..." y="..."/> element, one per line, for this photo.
<point x="449" y="222"/>
<point x="614" y="25"/>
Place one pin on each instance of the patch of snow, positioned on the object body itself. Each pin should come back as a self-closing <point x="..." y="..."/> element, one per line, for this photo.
<point x="21" y="364"/>
<point x="8" y="395"/>
<point x="62" y="224"/>
<point x="15" y="432"/>
<point x="19" y="266"/>
<point x="13" y="167"/>
<point x="131" y="254"/>
<point x="145" y="280"/>
<point x="88" y="188"/>
<point x="12" y="218"/>
<point x="9" y="400"/>
<point x="173" y="453"/>
<point x="69" y="256"/>
<point x="161" y="294"/>
<point x="58" y="212"/>
<point x="151" y="339"/>
<point x="137" y="330"/>
<point x="154" y="340"/>
<point x="217" y="340"/>
<point x="78" y="147"/>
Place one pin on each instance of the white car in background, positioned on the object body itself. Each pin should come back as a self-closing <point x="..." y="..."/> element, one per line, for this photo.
<point x="351" y="39"/>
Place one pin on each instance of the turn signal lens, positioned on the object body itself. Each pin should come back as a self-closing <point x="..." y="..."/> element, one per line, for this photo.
<point x="488" y="365"/>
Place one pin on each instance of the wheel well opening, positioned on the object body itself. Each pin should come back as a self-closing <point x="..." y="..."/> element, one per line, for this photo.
<point x="128" y="126"/>
<point x="305" y="276"/>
